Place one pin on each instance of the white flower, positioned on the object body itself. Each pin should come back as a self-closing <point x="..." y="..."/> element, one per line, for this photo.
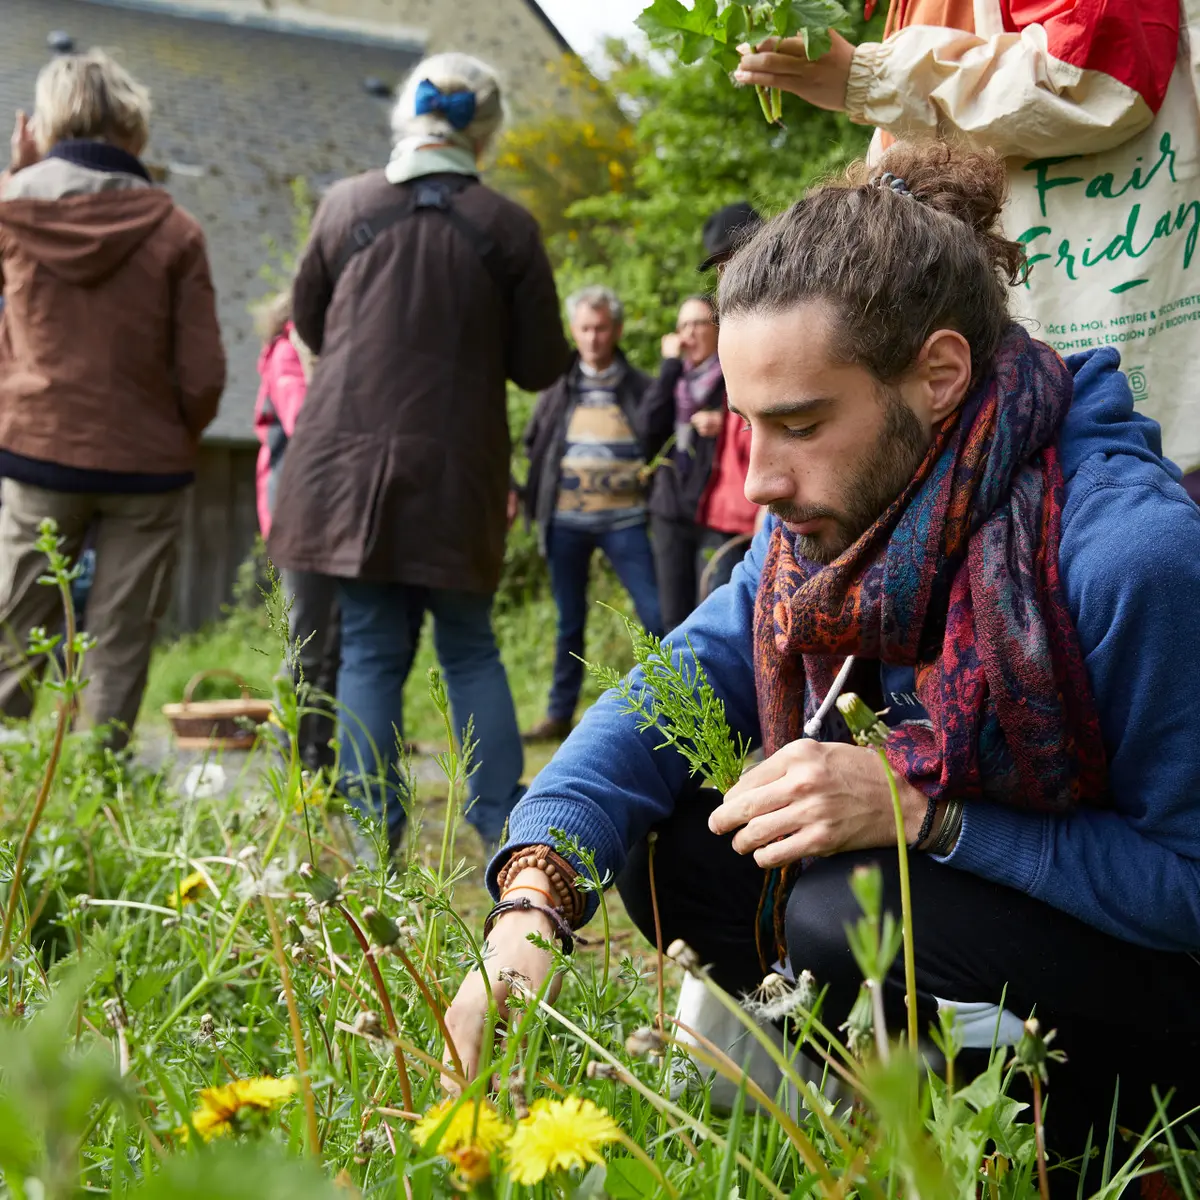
<point x="204" y="781"/>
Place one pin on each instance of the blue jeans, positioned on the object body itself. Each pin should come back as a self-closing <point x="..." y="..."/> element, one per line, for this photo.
<point x="381" y="626"/>
<point x="569" y="554"/>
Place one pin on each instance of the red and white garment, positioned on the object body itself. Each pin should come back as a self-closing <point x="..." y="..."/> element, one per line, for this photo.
<point x="1095" y="104"/>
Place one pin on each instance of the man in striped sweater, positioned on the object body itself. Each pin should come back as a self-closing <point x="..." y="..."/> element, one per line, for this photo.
<point x="586" y="488"/>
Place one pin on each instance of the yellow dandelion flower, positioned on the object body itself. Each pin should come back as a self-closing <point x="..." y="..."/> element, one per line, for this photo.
<point x="556" y="1136"/>
<point x="472" y="1165"/>
<point x="189" y="890"/>
<point x="222" y="1108"/>
<point x="463" y="1131"/>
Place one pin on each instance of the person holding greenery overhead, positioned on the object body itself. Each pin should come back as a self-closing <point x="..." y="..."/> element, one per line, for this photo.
<point x="1096" y="108"/>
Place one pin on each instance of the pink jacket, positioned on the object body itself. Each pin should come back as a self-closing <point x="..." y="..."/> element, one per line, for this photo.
<point x="280" y="397"/>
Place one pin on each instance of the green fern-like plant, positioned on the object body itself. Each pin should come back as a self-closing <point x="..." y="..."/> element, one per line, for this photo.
<point x="673" y="695"/>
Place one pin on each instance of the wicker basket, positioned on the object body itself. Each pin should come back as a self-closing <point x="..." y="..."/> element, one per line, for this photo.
<point x="216" y="724"/>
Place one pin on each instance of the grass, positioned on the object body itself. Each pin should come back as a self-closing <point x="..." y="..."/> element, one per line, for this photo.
<point x="216" y="997"/>
<point x="524" y="625"/>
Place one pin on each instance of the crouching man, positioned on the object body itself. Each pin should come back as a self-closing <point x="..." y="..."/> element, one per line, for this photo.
<point x="993" y="537"/>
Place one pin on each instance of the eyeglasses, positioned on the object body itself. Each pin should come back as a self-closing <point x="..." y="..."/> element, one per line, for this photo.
<point x="684" y="326"/>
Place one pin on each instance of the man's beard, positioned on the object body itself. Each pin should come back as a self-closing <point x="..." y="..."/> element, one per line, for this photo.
<point x="877" y="480"/>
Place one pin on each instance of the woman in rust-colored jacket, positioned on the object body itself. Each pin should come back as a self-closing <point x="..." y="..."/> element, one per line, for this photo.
<point x="111" y="366"/>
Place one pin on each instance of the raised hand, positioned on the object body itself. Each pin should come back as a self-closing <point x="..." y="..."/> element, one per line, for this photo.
<point x="782" y="63"/>
<point x="23" y="151"/>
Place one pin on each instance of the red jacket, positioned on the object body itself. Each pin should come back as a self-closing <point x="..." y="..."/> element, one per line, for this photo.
<point x="723" y="504"/>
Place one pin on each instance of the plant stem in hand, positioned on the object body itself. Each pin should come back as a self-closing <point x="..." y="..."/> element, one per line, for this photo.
<point x="766" y="103"/>
<point x="910" y="959"/>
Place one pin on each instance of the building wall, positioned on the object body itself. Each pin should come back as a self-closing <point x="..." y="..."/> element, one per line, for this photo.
<point x="220" y="526"/>
<point x="512" y="35"/>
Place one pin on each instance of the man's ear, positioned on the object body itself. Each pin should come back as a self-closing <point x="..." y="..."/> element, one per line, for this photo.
<point x="944" y="370"/>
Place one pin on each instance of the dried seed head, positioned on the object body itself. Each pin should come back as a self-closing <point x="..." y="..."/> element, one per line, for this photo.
<point x="518" y="985"/>
<point x="776" y="998"/>
<point x="602" y="1070"/>
<point x="208" y="1027"/>
<point x="321" y="887"/>
<point x="295" y="935"/>
<point x="685" y="956"/>
<point x="773" y="987"/>
<point x="367" y="1024"/>
<point x="862" y="721"/>
<point x="859" y="1026"/>
<point x="807" y="991"/>
<point x="1033" y="1052"/>
<point x="115" y="1013"/>
<point x="516" y="1092"/>
<point x="645" y="1041"/>
<point x="370" y="1141"/>
<point x="383" y="930"/>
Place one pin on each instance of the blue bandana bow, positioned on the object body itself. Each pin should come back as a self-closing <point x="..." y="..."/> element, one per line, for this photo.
<point x="457" y="107"/>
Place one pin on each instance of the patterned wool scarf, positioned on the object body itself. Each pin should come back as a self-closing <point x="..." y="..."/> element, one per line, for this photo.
<point x="958" y="579"/>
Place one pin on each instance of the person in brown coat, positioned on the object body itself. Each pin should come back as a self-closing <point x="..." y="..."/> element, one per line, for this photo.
<point x="421" y="291"/>
<point x="111" y="366"/>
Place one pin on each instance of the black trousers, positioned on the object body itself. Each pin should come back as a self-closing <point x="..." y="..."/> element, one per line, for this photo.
<point x="1120" y="1010"/>
<point x="681" y="552"/>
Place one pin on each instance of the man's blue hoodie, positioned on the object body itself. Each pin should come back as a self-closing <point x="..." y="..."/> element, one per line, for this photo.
<point x="1130" y="562"/>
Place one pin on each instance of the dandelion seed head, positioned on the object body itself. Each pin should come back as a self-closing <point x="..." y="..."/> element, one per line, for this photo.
<point x="645" y="1041"/>
<point x="679" y="951"/>
<point x="367" y="1024"/>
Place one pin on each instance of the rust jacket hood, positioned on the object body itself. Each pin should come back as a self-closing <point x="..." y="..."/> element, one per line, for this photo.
<point x="83" y="239"/>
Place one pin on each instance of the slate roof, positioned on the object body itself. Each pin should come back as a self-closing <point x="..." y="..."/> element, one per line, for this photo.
<point x="239" y="112"/>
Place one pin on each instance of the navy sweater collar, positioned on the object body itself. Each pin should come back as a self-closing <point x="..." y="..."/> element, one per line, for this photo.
<point x="99" y="156"/>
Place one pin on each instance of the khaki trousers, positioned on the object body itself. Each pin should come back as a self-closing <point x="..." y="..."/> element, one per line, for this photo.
<point x="136" y="541"/>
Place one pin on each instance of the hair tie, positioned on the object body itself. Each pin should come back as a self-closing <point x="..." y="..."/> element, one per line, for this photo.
<point x="457" y="107"/>
<point x="894" y="182"/>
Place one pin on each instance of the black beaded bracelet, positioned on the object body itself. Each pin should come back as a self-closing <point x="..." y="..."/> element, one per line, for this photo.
<point x="524" y="904"/>
<point x="926" y="825"/>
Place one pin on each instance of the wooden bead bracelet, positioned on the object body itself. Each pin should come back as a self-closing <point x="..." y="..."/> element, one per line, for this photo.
<point x="558" y="872"/>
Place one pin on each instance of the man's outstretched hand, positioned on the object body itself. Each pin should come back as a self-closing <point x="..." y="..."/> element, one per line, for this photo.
<point x="782" y="63"/>
<point x="815" y="799"/>
<point x="508" y="949"/>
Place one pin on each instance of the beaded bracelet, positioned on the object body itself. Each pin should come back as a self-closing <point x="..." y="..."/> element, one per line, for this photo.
<point x="559" y="873"/>
<point x="524" y="904"/>
<point x="926" y="825"/>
